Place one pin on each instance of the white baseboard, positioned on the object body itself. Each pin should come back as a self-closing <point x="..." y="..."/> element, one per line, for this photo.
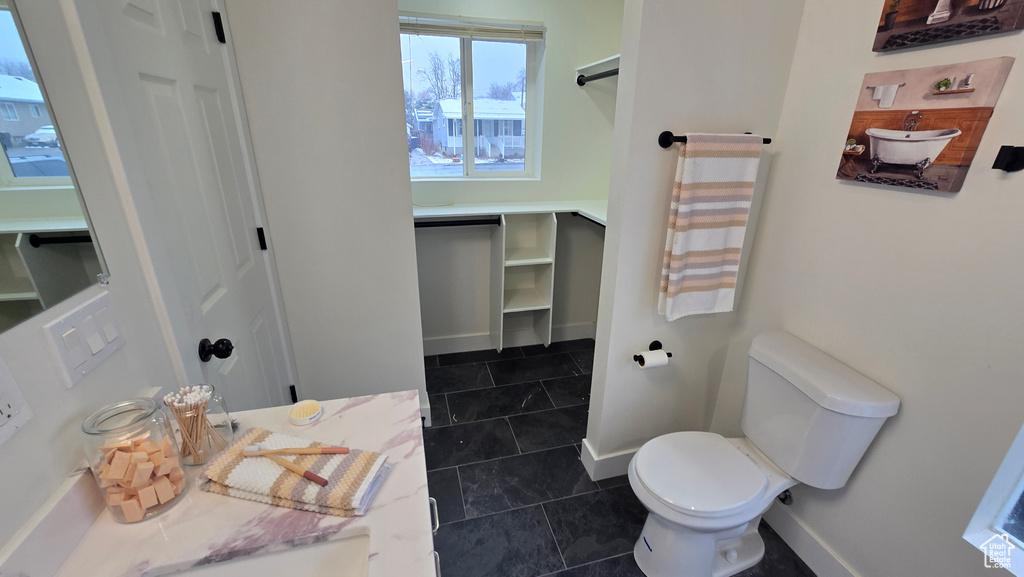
<point x="482" y="341"/>
<point x="808" y="546"/>
<point x="606" y="466"/>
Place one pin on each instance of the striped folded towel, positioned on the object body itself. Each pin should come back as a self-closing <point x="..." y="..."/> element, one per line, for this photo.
<point x="707" y="221"/>
<point x="353" y="479"/>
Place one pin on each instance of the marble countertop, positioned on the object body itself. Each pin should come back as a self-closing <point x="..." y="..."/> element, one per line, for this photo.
<point x="206" y="527"/>
<point x="595" y="210"/>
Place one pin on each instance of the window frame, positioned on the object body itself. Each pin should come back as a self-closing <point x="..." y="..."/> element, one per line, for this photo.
<point x="35" y="111"/>
<point x="9" y="106"/>
<point x="999" y="499"/>
<point x="532" y="122"/>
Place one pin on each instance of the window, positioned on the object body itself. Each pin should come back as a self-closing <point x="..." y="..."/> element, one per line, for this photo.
<point x="997" y="528"/>
<point x="480" y="76"/>
<point x="33" y="153"/>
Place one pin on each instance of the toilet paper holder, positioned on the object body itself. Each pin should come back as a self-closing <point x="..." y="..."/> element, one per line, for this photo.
<point x="654" y="346"/>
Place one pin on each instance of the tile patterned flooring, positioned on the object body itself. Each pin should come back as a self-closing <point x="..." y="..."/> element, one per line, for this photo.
<point x="503" y="463"/>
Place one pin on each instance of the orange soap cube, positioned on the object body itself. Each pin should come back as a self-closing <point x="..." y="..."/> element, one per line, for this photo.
<point x="119" y="465"/>
<point x="108" y="456"/>
<point x="140" y="457"/>
<point x="116" y="445"/>
<point x="150" y="447"/>
<point x="176" y="474"/>
<point x="164" y="490"/>
<point x="147" y="497"/>
<point x="167" y="466"/>
<point x="132" y="510"/>
<point x="115" y="498"/>
<point x="157" y="458"/>
<point x="179" y="486"/>
<point x="167" y="446"/>
<point x="142" y="473"/>
<point x="104" y="483"/>
<point x="130" y="473"/>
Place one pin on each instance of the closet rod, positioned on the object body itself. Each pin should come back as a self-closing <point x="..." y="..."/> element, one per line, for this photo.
<point x="37" y="241"/>
<point x="665" y="139"/>
<point x="581" y="79"/>
<point x="473" y="222"/>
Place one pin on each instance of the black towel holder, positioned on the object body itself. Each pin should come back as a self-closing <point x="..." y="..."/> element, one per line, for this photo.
<point x="665" y="139"/>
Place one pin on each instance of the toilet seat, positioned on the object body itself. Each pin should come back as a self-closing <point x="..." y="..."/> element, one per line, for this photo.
<point x="699" y="474"/>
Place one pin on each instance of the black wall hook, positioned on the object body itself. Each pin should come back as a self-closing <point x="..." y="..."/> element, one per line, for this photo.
<point x="1010" y="159"/>
<point x="666" y="138"/>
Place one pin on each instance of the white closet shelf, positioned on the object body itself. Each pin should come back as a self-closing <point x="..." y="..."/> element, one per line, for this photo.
<point x="524" y="299"/>
<point x="17" y="289"/>
<point x="527" y="256"/>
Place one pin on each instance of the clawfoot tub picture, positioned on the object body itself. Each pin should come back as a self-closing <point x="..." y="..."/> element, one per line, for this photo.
<point x="921" y="128"/>
<point x="908" y="23"/>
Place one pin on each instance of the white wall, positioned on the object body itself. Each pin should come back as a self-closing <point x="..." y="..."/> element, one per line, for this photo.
<point x="454" y="264"/>
<point x="577" y="122"/>
<point x="686" y="66"/>
<point x="323" y="92"/>
<point x="919" y="291"/>
<point x="38" y="457"/>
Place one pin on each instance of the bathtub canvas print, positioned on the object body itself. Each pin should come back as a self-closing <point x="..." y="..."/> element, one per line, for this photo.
<point x="909" y="23"/>
<point x="921" y="128"/>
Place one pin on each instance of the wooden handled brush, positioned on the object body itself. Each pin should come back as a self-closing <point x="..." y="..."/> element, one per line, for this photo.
<point x="260" y="449"/>
<point x="292" y="467"/>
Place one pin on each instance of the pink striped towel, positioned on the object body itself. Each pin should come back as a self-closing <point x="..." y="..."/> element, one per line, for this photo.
<point x="707" y="221"/>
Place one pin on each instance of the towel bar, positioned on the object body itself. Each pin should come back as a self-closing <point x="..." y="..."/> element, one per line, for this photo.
<point x="37" y="241"/>
<point x="665" y="139"/>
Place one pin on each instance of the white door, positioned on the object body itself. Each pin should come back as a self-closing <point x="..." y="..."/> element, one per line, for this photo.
<point x="200" y="202"/>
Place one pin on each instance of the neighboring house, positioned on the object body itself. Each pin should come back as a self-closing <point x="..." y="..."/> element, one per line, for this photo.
<point x="22" y="110"/>
<point x="425" y="123"/>
<point x="499" y="127"/>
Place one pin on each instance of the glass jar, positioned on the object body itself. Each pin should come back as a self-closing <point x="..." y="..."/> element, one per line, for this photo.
<point x="202" y="422"/>
<point x="134" y="458"/>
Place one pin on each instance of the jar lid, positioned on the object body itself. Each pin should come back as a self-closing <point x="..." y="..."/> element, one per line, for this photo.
<point x="119" y="417"/>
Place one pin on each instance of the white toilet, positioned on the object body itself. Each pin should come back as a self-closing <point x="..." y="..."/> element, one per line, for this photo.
<point x="807" y="418"/>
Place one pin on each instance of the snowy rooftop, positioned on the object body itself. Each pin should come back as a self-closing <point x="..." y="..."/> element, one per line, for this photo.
<point x="16" y="88"/>
<point x="483" y="109"/>
<point x="424" y="115"/>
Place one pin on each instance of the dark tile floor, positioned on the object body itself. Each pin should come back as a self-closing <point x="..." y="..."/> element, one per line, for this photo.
<point x="503" y="463"/>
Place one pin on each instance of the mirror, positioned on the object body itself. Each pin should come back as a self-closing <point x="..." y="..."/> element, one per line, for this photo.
<point x="47" y="253"/>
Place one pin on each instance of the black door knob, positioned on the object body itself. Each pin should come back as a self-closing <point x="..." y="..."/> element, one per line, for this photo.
<point x="220" y="349"/>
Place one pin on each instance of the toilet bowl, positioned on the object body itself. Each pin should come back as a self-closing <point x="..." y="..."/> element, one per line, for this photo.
<point x="706" y="495"/>
<point x="808" y="419"/>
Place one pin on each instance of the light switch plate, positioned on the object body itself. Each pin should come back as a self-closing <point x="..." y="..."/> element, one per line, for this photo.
<point x="14" y="411"/>
<point x="84" y="338"/>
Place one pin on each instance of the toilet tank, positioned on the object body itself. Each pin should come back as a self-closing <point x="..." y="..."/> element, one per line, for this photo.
<point x="810" y="414"/>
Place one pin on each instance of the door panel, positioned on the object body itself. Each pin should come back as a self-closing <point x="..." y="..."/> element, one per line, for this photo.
<point x="176" y="93"/>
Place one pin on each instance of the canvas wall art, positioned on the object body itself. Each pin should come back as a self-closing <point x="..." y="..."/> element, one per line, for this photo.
<point x="908" y="23"/>
<point x="921" y="128"/>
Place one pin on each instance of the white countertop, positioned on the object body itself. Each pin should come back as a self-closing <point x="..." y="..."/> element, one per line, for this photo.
<point x="595" y="210"/>
<point x="206" y="527"/>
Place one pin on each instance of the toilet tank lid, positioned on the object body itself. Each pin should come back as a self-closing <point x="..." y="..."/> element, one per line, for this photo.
<point x="825" y="380"/>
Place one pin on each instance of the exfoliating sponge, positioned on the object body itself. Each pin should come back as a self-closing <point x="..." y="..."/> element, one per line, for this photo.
<point x="305" y="412"/>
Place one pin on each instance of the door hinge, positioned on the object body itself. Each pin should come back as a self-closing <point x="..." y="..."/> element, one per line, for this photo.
<point x="262" y="236"/>
<point x="218" y="25"/>
<point x="294" y="393"/>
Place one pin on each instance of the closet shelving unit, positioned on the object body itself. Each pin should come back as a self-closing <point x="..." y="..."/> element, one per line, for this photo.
<point x="522" y="279"/>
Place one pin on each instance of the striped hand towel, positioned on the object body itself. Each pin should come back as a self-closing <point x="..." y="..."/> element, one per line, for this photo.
<point x="353" y="479"/>
<point x="708" y="218"/>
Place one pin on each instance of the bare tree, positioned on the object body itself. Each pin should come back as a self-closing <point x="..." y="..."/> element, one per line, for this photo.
<point x="506" y="91"/>
<point x="16" y="68"/>
<point x="443" y="75"/>
<point x="455" y="75"/>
